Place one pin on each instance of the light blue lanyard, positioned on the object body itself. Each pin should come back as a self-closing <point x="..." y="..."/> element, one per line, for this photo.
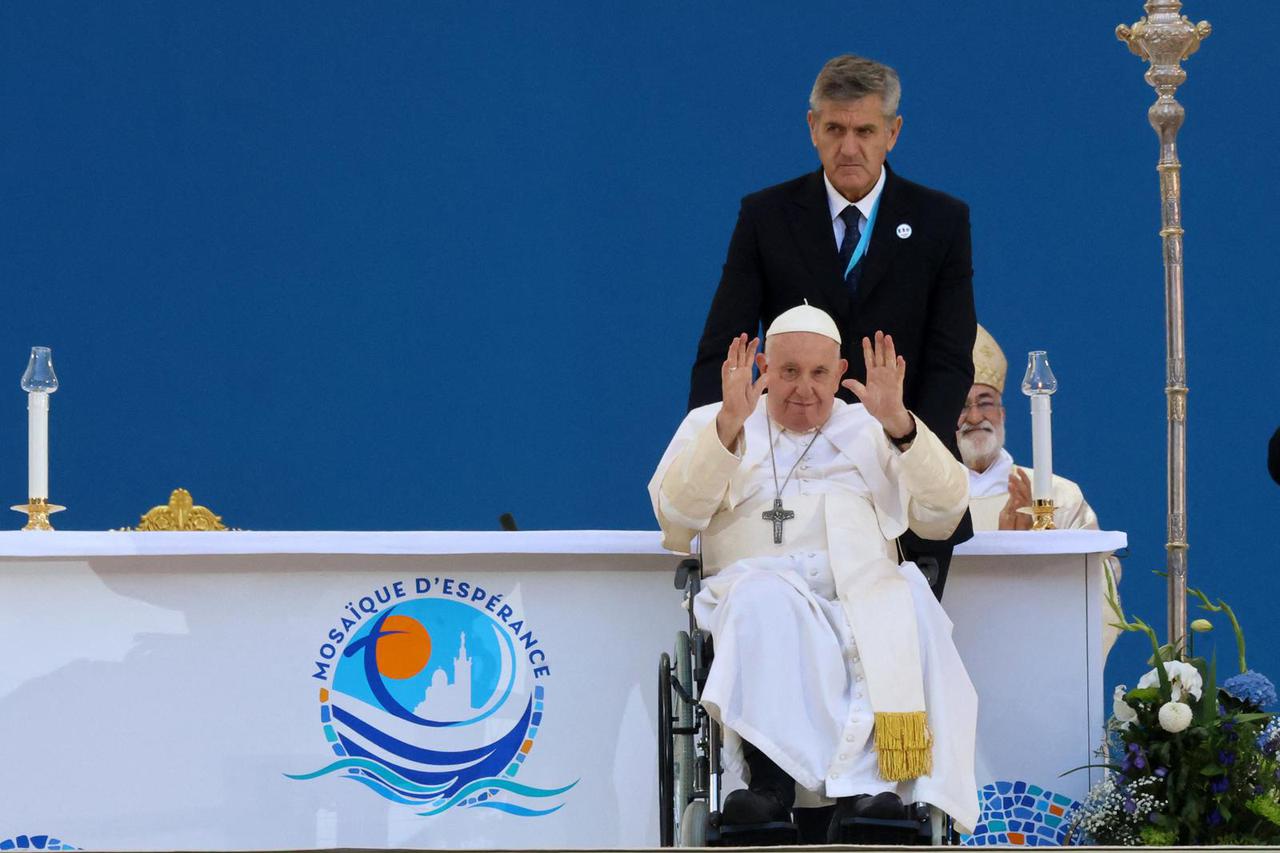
<point x="861" y="249"/>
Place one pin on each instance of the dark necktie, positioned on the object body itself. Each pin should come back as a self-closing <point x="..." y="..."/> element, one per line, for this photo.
<point x="852" y="234"/>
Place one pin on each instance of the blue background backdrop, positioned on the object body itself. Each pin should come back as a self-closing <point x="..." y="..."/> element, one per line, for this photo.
<point x="411" y="265"/>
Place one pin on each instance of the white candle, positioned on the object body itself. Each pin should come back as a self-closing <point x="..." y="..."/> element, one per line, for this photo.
<point x="38" y="445"/>
<point x="1041" y="449"/>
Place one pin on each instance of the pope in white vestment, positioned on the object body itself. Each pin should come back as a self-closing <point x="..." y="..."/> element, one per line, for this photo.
<point x="831" y="658"/>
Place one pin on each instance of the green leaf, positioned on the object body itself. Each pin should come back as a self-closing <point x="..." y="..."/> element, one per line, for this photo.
<point x="1207" y="708"/>
<point x="1165" y="691"/>
<point x="1235" y="626"/>
<point x="1251" y="717"/>
<point x="1222" y="607"/>
<point x="1212" y="770"/>
<point x="1265" y="807"/>
<point x="1113" y="767"/>
<point x="1146" y="694"/>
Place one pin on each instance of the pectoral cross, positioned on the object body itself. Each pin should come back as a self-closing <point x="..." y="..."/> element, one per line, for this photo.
<point x="777" y="515"/>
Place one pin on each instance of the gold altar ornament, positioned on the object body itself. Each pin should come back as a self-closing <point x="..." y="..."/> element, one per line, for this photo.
<point x="181" y="513"/>
<point x="1041" y="512"/>
<point x="38" y="511"/>
<point x="1042" y="515"/>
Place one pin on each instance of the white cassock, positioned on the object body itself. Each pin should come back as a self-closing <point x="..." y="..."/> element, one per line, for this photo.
<point x="788" y="675"/>
<point x="989" y="492"/>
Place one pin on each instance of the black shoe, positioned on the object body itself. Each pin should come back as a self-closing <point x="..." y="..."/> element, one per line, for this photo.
<point x="883" y="806"/>
<point x="812" y="824"/>
<point x="749" y="806"/>
<point x="768" y="797"/>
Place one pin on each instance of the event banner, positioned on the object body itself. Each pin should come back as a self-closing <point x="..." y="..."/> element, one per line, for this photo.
<point x="333" y="701"/>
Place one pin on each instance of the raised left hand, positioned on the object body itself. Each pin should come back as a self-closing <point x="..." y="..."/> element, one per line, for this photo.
<point x="882" y="393"/>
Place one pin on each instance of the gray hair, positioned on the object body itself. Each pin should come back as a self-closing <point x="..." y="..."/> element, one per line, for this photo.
<point x="849" y="77"/>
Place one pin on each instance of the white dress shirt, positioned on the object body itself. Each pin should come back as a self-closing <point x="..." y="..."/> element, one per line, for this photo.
<point x="838" y="203"/>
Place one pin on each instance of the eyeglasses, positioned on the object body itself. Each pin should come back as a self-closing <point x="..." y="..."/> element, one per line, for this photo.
<point x="985" y="407"/>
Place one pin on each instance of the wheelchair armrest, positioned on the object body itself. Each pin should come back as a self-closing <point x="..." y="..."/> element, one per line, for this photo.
<point x="929" y="568"/>
<point x="690" y="568"/>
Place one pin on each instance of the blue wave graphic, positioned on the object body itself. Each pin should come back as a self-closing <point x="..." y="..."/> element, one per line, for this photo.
<point x="503" y="784"/>
<point x="386" y="785"/>
<point x="519" y="811"/>
<point x="488" y="760"/>
<point x="383" y="790"/>
<point x="378" y="769"/>
<point x="417" y="753"/>
<point x="383" y="781"/>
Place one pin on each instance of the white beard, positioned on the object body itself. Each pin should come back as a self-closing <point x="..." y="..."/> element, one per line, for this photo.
<point x="980" y="445"/>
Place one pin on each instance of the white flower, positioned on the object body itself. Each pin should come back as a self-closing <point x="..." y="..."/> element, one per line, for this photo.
<point x="1120" y="709"/>
<point x="1183" y="678"/>
<point x="1175" y="716"/>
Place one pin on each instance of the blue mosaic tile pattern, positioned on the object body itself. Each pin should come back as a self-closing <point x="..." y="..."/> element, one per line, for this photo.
<point x="34" y="842"/>
<point x="514" y="767"/>
<point x="1019" y="814"/>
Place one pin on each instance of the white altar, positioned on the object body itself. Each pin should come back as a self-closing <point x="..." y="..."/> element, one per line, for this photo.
<point x="245" y="690"/>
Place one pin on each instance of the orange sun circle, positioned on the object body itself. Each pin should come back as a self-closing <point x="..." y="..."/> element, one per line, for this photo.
<point x="405" y="648"/>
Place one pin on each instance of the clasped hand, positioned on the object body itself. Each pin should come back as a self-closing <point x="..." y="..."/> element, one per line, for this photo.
<point x="1019" y="497"/>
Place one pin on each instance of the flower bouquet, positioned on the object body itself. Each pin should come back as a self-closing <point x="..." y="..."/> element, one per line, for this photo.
<point x="1189" y="761"/>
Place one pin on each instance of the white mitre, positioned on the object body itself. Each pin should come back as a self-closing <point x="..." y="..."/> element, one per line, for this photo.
<point x="989" y="363"/>
<point x="804" y="318"/>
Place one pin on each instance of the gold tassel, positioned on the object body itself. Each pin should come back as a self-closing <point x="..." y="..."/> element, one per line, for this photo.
<point x="904" y="744"/>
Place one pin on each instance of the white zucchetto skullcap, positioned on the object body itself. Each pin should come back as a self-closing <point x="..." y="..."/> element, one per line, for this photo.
<point x="804" y="318"/>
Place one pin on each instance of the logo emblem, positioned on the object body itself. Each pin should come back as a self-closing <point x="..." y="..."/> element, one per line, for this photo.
<point x="904" y="231"/>
<point x="434" y="698"/>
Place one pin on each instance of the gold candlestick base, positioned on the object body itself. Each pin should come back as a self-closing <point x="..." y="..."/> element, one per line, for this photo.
<point x="38" y="511"/>
<point x="1041" y="512"/>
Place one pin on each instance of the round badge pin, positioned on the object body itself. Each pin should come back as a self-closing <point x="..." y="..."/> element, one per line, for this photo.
<point x="904" y="231"/>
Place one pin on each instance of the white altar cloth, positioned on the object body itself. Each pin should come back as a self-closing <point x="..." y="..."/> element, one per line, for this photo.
<point x="163" y="690"/>
<point x="75" y="543"/>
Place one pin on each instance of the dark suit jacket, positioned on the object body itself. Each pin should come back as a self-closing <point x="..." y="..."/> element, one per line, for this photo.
<point x="918" y="288"/>
<point x="1273" y="453"/>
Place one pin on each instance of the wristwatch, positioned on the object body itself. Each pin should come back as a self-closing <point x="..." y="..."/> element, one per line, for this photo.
<point x="905" y="442"/>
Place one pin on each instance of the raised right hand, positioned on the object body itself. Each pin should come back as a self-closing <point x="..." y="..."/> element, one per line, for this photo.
<point x="739" y="393"/>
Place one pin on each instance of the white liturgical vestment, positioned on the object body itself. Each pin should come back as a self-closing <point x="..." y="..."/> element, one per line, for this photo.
<point x="792" y="647"/>
<point x="989" y="491"/>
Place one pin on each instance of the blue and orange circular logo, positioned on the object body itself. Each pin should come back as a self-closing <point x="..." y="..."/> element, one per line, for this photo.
<point x="434" y="698"/>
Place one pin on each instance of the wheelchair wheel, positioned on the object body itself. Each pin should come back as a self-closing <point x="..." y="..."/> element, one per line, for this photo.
<point x="684" y="777"/>
<point x="666" y="761"/>
<point x="693" y="824"/>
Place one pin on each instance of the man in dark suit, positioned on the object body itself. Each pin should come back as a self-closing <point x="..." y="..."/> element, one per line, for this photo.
<point x="872" y="249"/>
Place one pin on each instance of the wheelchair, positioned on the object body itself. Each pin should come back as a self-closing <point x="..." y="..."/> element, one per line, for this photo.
<point x="690" y="772"/>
